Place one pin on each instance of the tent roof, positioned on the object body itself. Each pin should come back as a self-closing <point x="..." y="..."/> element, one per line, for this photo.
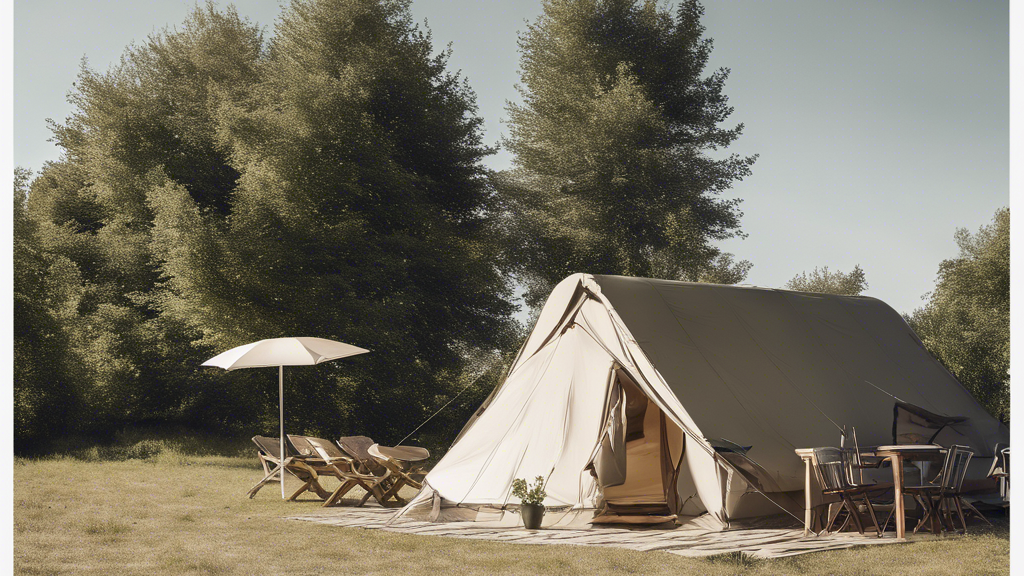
<point x="778" y="370"/>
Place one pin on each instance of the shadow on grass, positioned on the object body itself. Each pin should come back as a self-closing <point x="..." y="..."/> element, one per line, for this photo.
<point x="147" y="444"/>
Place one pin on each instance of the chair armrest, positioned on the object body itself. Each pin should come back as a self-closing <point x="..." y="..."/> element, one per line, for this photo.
<point x="866" y="464"/>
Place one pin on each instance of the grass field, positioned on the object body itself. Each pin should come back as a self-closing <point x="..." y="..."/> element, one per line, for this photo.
<point x="156" y="507"/>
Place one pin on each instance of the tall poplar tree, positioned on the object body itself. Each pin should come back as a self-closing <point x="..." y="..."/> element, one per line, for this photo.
<point x="615" y="163"/>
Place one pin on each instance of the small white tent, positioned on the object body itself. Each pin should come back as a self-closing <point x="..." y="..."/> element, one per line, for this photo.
<point x="641" y="400"/>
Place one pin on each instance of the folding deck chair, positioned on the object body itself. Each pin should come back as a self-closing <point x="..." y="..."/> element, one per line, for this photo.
<point x="357" y="447"/>
<point x="329" y="460"/>
<point x="403" y="462"/>
<point x="269" y="450"/>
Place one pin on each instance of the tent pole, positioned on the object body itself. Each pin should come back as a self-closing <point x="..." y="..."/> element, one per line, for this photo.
<point x="280" y="392"/>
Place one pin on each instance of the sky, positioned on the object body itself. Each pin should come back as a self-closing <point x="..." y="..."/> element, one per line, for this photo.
<point x="881" y="126"/>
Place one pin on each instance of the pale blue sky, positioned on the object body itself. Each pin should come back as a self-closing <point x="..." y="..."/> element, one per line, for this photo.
<point x="882" y="125"/>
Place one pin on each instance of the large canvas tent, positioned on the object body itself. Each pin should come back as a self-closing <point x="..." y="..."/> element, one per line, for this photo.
<point x="639" y="400"/>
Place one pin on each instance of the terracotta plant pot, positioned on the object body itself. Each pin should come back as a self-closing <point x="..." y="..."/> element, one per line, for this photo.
<point x="532" y="515"/>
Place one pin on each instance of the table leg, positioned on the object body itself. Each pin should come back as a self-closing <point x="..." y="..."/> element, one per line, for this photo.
<point x="807" y="497"/>
<point x="897" y="480"/>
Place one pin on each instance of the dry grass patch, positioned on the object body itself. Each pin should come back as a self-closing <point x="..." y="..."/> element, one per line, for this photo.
<point x="174" y="513"/>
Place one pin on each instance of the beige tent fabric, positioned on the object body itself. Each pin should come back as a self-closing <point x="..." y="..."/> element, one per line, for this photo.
<point x="769" y="369"/>
<point x="780" y="370"/>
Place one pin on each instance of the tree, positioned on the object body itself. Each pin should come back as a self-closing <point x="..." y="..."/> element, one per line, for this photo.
<point x="361" y="213"/>
<point x="613" y="165"/>
<point x="852" y="283"/>
<point x="47" y="398"/>
<point x="146" y="122"/>
<point x="966" y="321"/>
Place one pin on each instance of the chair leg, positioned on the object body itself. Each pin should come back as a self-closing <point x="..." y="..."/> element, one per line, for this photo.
<point x="889" y="517"/>
<point x="320" y="492"/>
<point x="302" y="489"/>
<point x="972" y="509"/>
<point x="871" y="512"/>
<point x="854" y="514"/>
<point x="365" y="497"/>
<point x="923" y="517"/>
<point x="949" y="513"/>
<point x="831" y="518"/>
<point x="264" y="462"/>
<point x="928" y="511"/>
<point x="960" y="512"/>
<point x="943" y="504"/>
<point x="339" y="492"/>
<point x="268" y="478"/>
<point x="393" y="491"/>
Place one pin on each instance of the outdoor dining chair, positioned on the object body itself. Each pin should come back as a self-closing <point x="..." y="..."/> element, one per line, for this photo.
<point x="834" y="468"/>
<point x="269" y="450"/>
<point x="952" y="494"/>
<point x="945" y="492"/>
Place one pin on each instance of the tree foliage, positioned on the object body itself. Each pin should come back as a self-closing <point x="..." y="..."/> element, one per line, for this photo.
<point x="360" y="214"/>
<point x="216" y="189"/>
<point x="46" y="291"/>
<point x="966" y="321"/>
<point x="145" y="124"/>
<point x="615" y="170"/>
<point x="823" y="281"/>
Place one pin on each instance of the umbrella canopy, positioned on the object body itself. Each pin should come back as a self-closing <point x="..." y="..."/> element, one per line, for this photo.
<point x="283" y="352"/>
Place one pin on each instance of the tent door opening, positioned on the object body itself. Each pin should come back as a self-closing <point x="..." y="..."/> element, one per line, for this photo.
<point x="653" y="450"/>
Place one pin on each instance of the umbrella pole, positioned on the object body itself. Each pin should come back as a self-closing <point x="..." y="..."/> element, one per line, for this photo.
<point x="280" y="395"/>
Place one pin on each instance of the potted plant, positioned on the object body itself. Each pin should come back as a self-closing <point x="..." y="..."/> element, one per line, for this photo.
<point x="532" y="501"/>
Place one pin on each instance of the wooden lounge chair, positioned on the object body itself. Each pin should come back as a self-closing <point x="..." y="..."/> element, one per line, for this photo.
<point x="357" y="447"/>
<point x="834" y="468"/>
<point x="269" y="454"/>
<point x="406" y="464"/>
<point x="330" y="461"/>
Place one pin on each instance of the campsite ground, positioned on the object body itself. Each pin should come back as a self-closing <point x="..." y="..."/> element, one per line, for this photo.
<point x="164" y="507"/>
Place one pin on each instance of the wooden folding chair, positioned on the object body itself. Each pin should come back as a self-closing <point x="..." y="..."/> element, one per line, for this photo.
<point x="357" y="447"/>
<point x="269" y="454"/>
<point x="404" y="462"/>
<point x="834" y="468"/>
<point x="953" y="493"/>
<point x="330" y="461"/>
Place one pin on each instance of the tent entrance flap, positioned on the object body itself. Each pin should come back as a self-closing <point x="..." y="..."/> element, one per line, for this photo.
<point x="653" y="449"/>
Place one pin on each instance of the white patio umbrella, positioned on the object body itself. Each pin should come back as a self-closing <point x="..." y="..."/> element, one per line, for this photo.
<point x="283" y="352"/>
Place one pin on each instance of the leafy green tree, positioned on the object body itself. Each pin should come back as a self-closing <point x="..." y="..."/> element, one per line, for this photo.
<point x="361" y="213"/>
<point x="47" y="400"/>
<point x="823" y="281"/>
<point x="615" y="166"/>
<point x="146" y="122"/>
<point x="966" y="322"/>
<point x="723" y="269"/>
